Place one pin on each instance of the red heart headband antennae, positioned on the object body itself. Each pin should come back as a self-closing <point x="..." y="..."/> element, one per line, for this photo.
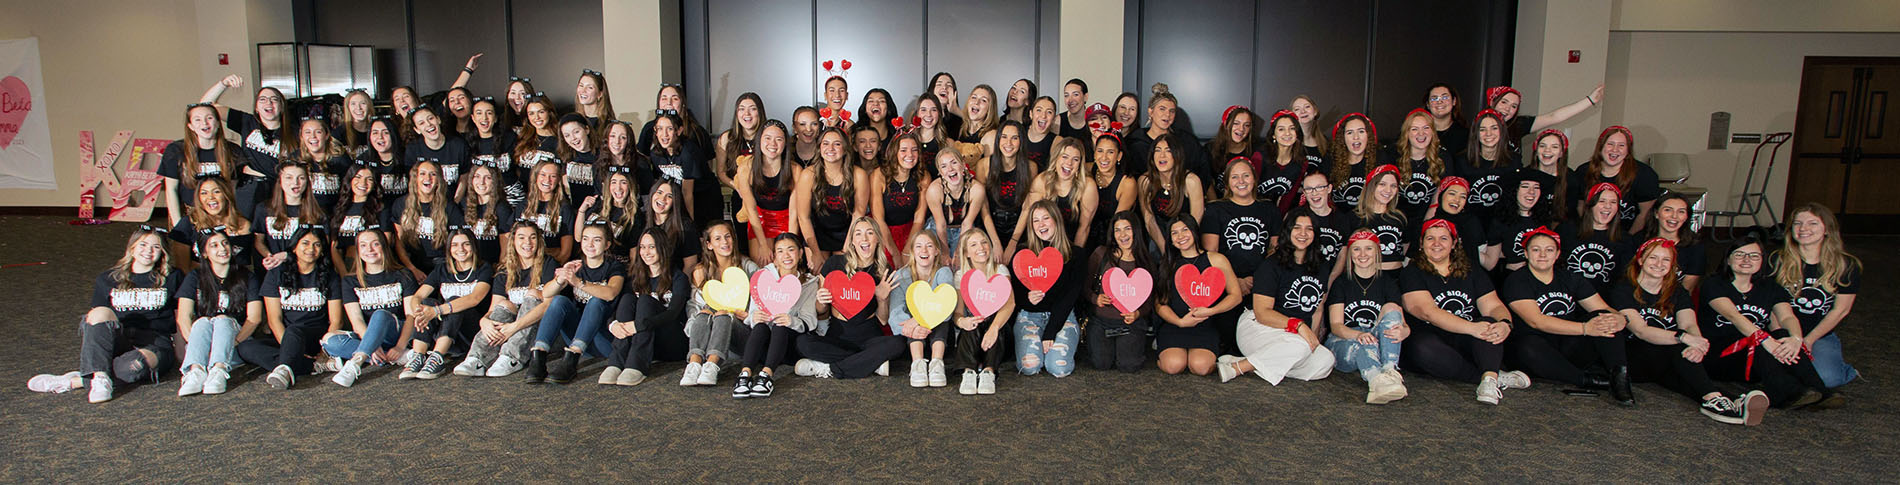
<point x="844" y="63"/>
<point x="824" y="112"/>
<point x="844" y="114"/>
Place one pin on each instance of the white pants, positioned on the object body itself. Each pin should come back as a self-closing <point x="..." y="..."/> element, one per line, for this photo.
<point x="1277" y="354"/>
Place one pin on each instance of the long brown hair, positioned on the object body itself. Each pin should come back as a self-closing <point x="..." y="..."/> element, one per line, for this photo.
<point x="530" y="139"/>
<point x="1059" y="239"/>
<point x="231" y="218"/>
<point x="784" y="179"/>
<point x="411" y="212"/>
<point x="821" y="172"/>
<point x="638" y="272"/>
<point x="512" y="269"/>
<point x="1455" y="255"/>
<point x="1669" y="282"/>
<point x="1835" y="262"/>
<point x="1340" y="153"/>
<point x="188" y="165"/>
<point x="1625" y="173"/>
<point x="1223" y="145"/>
<point x="309" y="211"/>
<point x="605" y="103"/>
<point x="1177" y="177"/>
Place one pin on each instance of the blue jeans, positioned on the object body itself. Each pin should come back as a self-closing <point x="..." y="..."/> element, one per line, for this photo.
<point x="212" y="341"/>
<point x="1367" y="360"/>
<point x="1829" y="362"/>
<point x="383" y="329"/>
<point x="1059" y="360"/>
<point x="950" y="233"/>
<point x="580" y="329"/>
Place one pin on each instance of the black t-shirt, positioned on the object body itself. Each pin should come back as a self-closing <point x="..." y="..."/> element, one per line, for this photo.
<point x="427" y="250"/>
<point x="1454" y="138"/>
<point x="326" y="180"/>
<point x="1346" y="192"/>
<point x="1561" y="298"/>
<point x="1364" y="299"/>
<point x="1505" y="232"/>
<point x="868" y="322"/>
<point x="1644" y="188"/>
<point x="354" y="219"/>
<point x="1393" y="232"/>
<point x="1516" y="129"/>
<point x="528" y="287"/>
<point x="1811" y="303"/>
<point x="1692" y="259"/>
<point x="1471" y="232"/>
<point x="554" y="223"/>
<point x="1296" y="292"/>
<point x="1757" y="305"/>
<point x="450" y="285"/>
<point x="1458" y="296"/>
<point x="1622" y="296"/>
<point x="261" y="146"/>
<point x="145" y="303"/>
<point x="609" y="267"/>
<point x="580" y="175"/>
<point x="1329" y="235"/>
<point x="277" y="237"/>
<point x="307" y="306"/>
<point x="488" y="232"/>
<point x="171" y="165"/>
<point x="186" y="233"/>
<point x="190" y="287"/>
<point x="451" y="159"/>
<point x="379" y="291"/>
<point x="1488" y="195"/>
<point x="680" y="166"/>
<point x="1597" y="258"/>
<point x="1244" y="231"/>
<point x="1278" y="180"/>
<point x="687" y="244"/>
<point x="1415" y="195"/>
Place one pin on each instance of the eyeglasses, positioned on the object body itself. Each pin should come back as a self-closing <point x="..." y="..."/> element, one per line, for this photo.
<point x="1747" y="256"/>
<point x="1315" y="188"/>
<point x="1434" y="99"/>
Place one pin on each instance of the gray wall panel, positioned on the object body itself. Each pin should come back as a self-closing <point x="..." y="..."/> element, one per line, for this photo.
<point x="368" y="22"/>
<point x="1203" y="50"/>
<point x="1316" y="48"/>
<point x="554" y="40"/>
<point x="763" y="47"/>
<point x="883" y="39"/>
<point x="448" y="31"/>
<point x="982" y="42"/>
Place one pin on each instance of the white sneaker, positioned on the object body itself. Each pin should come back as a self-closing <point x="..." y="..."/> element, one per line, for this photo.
<point x="1225" y="364"/>
<point x="215" y="380"/>
<point x="937" y="377"/>
<point x="347" y="376"/>
<point x="101" y="389"/>
<point x="920" y="373"/>
<point x="608" y="376"/>
<point x="690" y="378"/>
<point x="884" y="369"/>
<point x="1488" y="390"/>
<point x="504" y="366"/>
<point x="812" y="368"/>
<point x="53" y="383"/>
<point x="709" y="374"/>
<point x="281" y="377"/>
<point x="986" y="382"/>
<point x="1394" y="387"/>
<point x="968" y="387"/>
<point x="326" y="364"/>
<point x="193" y="383"/>
<point x="1514" y="380"/>
<point x="470" y="367"/>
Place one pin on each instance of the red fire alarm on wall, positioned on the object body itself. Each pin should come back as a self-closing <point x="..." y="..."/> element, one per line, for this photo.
<point x="1576" y="56"/>
<point x="225" y="59"/>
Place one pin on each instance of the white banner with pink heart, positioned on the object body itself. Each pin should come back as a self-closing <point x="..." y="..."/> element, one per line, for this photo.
<point x="26" y="142"/>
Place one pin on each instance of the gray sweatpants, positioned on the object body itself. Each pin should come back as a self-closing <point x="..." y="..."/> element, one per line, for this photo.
<point x="516" y="347"/>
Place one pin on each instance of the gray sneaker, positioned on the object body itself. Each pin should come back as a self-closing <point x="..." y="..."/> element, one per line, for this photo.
<point x="411" y="368"/>
<point x="630" y="377"/>
<point x="281" y="377"/>
<point x="1489" y="391"/>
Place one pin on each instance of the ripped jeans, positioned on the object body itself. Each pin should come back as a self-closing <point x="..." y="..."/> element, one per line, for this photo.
<point x="1059" y="360"/>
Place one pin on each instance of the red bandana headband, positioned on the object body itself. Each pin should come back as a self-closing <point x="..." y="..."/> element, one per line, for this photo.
<point x="1280" y="114"/>
<point x="1373" y="176"/>
<point x="1447" y="183"/>
<point x="1228" y="113"/>
<point x="1602" y="186"/>
<point x="1653" y="243"/>
<point x="1362" y="235"/>
<point x="1487" y="112"/>
<point x="1525" y="239"/>
<point x="1561" y="137"/>
<point x="1627" y="136"/>
<point x="1491" y="95"/>
<point x="1439" y="223"/>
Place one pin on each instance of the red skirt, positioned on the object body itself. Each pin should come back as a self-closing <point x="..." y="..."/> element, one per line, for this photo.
<point x="774" y="222"/>
<point x="900" y="237"/>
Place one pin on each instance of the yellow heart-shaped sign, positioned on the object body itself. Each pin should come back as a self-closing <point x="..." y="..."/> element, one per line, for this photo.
<point x="729" y="293"/>
<point x="930" y="306"/>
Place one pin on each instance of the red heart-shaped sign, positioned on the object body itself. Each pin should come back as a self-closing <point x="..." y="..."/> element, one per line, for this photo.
<point x="850" y="294"/>
<point x="847" y="64"/>
<point x="984" y="296"/>
<point x="15" y="102"/>
<point x="827" y="65"/>
<point x="844" y="114"/>
<point x="897" y="122"/>
<point x="1037" y="271"/>
<point x="824" y="112"/>
<point x="1199" y="288"/>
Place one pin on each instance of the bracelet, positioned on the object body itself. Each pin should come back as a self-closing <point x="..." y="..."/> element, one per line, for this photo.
<point x="1592" y="101"/>
<point x="1583" y="328"/>
<point x="471" y="70"/>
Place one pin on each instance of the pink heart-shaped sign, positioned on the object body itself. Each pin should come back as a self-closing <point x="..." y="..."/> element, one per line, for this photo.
<point x="775" y="295"/>
<point x="984" y="296"/>
<point x="850" y="294"/>
<point x="1128" y="290"/>
<point x="15" y="102"/>
<point x="1038" y="270"/>
<point x="1200" y="288"/>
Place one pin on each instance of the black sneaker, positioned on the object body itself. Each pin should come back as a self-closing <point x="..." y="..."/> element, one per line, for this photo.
<point x="561" y="370"/>
<point x="537" y="366"/>
<point x="431" y="367"/>
<point x="1721" y="409"/>
<point x="412" y="370"/>
<point x="742" y="389"/>
<point x="762" y="385"/>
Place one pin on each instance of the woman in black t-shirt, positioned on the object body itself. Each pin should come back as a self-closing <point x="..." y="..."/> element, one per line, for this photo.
<point x="1823" y="280"/>
<point x="202" y="154"/>
<point x="1041" y="132"/>
<point x="420" y="222"/>
<point x="360" y="207"/>
<point x="681" y="162"/>
<point x="1168" y="190"/>
<point x="1567" y="319"/>
<point x="485" y="211"/>
<point x="448" y="304"/>
<point x="1666" y="343"/>
<point x="654" y="304"/>
<point x="325" y="161"/>
<point x="1241" y="227"/>
<point x="1462" y="324"/>
<point x="854" y="346"/>
<point x="1422" y="164"/>
<point x="1368" y="325"/>
<point x="577" y="157"/>
<point x="1285" y="160"/>
<point x="290" y="208"/>
<point x="127" y="335"/>
<point x="550" y="210"/>
<point x="1065" y="184"/>
<point x="261" y="138"/>
<point x="1378" y="210"/>
<point x="218" y="307"/>
<point x="1447" y="116"/>
<point x="538" y="139"/>
<point x="1599" y="248"/>
<point x="1748" y="310"/>
<point x="500" y="345"/>
<point x="1487" y="165"/>
<point x="1354" y="153"/>
<point x="1289" y="289"/>
<point x="663" y="210"/>
<point x="492" y="145"/>
<point x="1450" y="204"/>
<point x="1550" y="165"/>
<point x="376" y="297"/>
<point x="1505" y="100"/>
<point x="1189" y="337"/>
<point x="1527" y="210"/>
<point x="618" y="205"/>
<point x="1671" y="221"/>
<point x="301" y="302"/>
<point x="213" y="211"/>
<point x="1614" y="163"/>
<point x="574" y="319"/>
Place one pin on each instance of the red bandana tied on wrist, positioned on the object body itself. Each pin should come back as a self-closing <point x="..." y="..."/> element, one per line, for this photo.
<point x="1293" y="325"/>
<point x="1753" y="340"/>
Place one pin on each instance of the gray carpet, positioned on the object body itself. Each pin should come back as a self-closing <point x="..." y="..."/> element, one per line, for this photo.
<point x="1094" y="426"/>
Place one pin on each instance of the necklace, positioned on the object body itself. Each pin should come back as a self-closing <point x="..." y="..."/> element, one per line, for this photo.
<point x="462" y="279"/>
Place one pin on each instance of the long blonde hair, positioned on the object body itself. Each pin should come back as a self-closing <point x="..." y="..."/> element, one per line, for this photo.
<point x="917" y="273"/>
<point x="438" y="209"/>
<point x="1059" y="239"/>
<point x="1076" y="182"/>
<point x="853" y="261"/>
<point x="1835" y="262"/>
<point x="975" y="235"/>
<point x="121" y="273"/>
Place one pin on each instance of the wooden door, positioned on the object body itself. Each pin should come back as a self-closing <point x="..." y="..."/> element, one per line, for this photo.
<point x="1847" y="149"/>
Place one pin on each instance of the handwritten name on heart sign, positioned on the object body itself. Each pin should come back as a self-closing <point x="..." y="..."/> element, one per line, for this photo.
<point x="15" y="102"/>
<point x="1128" y="290"/>
<point x="728" y="293"/>
<point x="930" y="306"/>
<point x="1038" y="270"/>
<point x="850" y="294"/>
<point x="984" y="296"/>
<point x="776" y="295"/>
<point x="1198" y="288"/>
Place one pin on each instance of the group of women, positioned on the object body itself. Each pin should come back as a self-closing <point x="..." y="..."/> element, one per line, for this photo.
<point x="337" y="234"/>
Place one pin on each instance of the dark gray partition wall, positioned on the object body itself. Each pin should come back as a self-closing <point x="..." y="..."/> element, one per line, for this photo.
<point x="424" y="43"/>
<point x="774" y="48"/>
<point x="1376" y="56"/>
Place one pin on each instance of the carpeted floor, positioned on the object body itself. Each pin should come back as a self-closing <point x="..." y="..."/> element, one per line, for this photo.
<point x="1093" y="426"/>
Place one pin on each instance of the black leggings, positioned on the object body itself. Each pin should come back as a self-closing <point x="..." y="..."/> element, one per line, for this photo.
<point x="1783" y="383"/>
<point x="459" y="327"/>
<point x="637" y="351"/>
<point x="298" y="350"/>
<point x="1559" y="357"/>
<point x="1447" y="355"/>
<point x="1664" y="364"/>
<point x="1127" y="352"/>
<point x="851" y="359"/>
<point x="970" y="353"/>
<point x="765" y="344"/>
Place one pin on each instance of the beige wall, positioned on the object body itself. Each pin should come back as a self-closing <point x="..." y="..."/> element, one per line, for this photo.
<point x="642" y="47"/>
<point x="1547" y="32"/>
<point x="1087" y="50"/>
<point x="114" y="65"/>
<point x="1757" y="15"/>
